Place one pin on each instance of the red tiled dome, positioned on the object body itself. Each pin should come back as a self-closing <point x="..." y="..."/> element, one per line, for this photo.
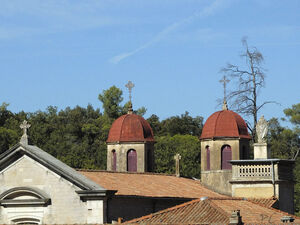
<point x="225" y="123"/>
<point x="130" y="128"/>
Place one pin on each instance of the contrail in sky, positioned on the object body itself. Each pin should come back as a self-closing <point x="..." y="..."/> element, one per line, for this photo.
<point x="207" y="11"/>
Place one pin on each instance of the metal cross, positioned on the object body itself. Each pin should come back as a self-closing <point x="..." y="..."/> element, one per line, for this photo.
<point x="25" y="126"/>
<point x="224" y="81"/>
<point x="129" y="86"/>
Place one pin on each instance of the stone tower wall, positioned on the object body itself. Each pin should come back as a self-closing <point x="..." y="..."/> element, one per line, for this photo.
<point x="142" y="156"/>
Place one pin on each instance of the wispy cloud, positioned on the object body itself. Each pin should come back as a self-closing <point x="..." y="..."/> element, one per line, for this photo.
<point x="21" y="18"/>
<point x="207" y="11"/>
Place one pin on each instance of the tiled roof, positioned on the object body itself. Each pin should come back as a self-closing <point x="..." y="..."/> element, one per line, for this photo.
<point x="216" y="211"/>
<point x="149" y="184"/>
<point x="130" y="128"/>
<point x="267" y="202"/>
<point x="225" y="123"/>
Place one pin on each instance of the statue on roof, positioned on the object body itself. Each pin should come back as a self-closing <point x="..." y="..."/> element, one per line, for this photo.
<point x="261" y="130"/>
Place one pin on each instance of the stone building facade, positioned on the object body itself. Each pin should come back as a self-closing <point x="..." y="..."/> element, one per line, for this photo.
<point x="37" y="188"/>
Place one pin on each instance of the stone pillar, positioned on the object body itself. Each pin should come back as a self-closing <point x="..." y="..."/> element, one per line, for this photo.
<point x="261" y="151"/>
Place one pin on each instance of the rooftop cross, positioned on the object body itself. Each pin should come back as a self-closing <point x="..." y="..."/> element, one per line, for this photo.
<point x="24" y="126"/>
<point x="224" y="81"/>
<point x="129" y="86"/>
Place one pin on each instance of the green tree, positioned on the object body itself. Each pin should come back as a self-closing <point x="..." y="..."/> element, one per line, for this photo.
<point x="294" y="116"/>
<point x="187" y="146"/>
<point x="111" y="100"/>
<point x="155" y="124"/>
<point x="283" y="142"/>
<point x="184" y="124"/>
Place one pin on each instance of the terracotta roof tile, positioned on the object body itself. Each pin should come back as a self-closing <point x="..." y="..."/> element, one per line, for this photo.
<point x="149" y="184"/>
<point x="267" y="202"/>
<point x="216" y="211"/>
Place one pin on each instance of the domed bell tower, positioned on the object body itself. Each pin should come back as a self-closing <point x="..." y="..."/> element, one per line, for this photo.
<point x="224" y="137"/>
<point x="130" y="143"/>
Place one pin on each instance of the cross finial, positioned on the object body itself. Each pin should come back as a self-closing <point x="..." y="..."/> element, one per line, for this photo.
<point x="129" y="86"/>
<point x="24" y="126"/>
<point x="224" y="81"/>
<point x="177" y="158"/>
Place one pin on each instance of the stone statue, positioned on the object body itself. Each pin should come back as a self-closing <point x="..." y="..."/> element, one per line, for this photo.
<point x="261" y="130"/>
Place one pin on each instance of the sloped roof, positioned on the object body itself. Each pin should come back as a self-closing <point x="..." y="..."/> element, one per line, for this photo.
<point x="149" y="184"/>
<point x="50" y="162"/>
<point x="267" y="202"/>
<point x="225" y="123"/>
<point x="130" y="128"/>
<point x="215" y="211"/>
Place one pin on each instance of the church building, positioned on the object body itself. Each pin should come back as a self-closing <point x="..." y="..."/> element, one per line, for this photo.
<point x="37" y="188"/>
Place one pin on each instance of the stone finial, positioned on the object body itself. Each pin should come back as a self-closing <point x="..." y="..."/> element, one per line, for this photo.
<point x="24" y="126"/>
<point x="235" y="218"/>
<point x="177" y="158"/>
<point x="261" y="130"/>
<point x="225" y="107"/>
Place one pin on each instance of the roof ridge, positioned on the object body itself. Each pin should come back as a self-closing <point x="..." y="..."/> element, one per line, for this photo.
<point x="273" y="209"/>
<point x="164" y="210"/>
<point x="234" y="116"/>
<point x="122" y="123"/>
<point x="122" y="172"/>
<point x="53" y="164"/>
<point x="259" y="203"/>
<point x="217" y="119"/>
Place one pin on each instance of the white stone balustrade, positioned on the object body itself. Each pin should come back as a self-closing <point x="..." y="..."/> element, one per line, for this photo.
<point x="260" y="171"/>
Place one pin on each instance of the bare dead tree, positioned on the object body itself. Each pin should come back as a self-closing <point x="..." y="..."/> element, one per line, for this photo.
<point x="250" y="79"/>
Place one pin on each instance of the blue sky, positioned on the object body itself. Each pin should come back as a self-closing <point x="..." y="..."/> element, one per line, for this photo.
<point x="66" y="52"/>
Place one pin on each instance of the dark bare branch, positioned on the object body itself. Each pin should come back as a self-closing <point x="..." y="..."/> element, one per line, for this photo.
<point x="249" y="82"/>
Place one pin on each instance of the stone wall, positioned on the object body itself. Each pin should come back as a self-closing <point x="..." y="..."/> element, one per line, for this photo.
<point x="66" y="206"/>
<point x="121" y="152"/>
<point x="217" y="180"/>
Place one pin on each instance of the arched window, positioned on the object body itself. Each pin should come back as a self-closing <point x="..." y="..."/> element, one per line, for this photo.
<point x="131" y="161"/>
<point x="226" y="157"/>
<point x="207" y="157"/>
<point x="113" y="160"/>
<point x="26" y="221"/>
<point x="26" y="204"/>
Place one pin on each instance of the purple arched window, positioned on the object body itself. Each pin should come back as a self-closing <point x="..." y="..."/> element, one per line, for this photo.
<point x="207" y="157"/>
<point x="114" y="160"/>
<point x="131" y="161"/>
<point x="226" y="157"/>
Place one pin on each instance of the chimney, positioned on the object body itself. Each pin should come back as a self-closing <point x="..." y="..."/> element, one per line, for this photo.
<point x="235" y="218"/>
<point x="287" y="219"/>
